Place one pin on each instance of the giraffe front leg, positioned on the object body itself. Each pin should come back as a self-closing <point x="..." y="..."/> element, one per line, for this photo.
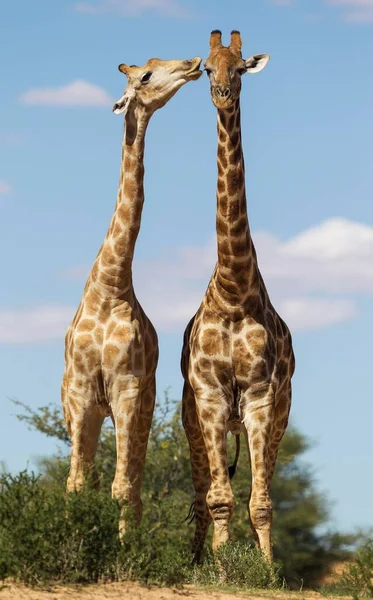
<point x="258" y="409"/>
<point x="125" y="400"/>
<point x="213" y="413"/>
<point x="200" y="471"/>
<point x="280" y="423"/>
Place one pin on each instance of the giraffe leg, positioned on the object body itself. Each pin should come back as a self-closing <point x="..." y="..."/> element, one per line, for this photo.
<point x="200" y="470"/>
<point x="213" y="413"/>
<point x="137" y="459"/>
<point x="84" y="424"/>
<point x="125" y="405"/>
<point x="282" y="409"/>
<point x="258" y="409"/>
<point x="255" y="535"/>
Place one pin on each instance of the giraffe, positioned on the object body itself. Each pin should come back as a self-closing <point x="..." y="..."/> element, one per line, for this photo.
<point x="111" y="347"/>
<point x="237" y="359"/>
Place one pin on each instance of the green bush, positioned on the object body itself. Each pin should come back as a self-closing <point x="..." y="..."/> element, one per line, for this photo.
<point x="357" y="579"/>
<point x="241" y="565"/>
<point x="151" y="558"/>
<point x="47" y="536"/>
<point x="300" y="511"/>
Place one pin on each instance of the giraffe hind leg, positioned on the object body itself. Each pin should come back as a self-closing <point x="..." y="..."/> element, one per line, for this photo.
<point x="258" y="409"/>
<point x="282" y="409"/>
<point x="198" y="511"/>
<point x="84" y="421"/>
<point x="125" y="403"/>
<point x="138" y="455"/>
<point x="213" y="411"/>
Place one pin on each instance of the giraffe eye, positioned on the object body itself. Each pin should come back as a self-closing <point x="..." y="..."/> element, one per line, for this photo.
<point x="145" y="78"/>
<point x="241" y="71"/>
<point x="208" y="72"/>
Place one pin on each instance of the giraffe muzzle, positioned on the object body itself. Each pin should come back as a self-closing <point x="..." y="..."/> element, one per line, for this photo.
<point x="222" y="97"/>
<point x="223" y="93"/>
<point x="194" y="72"/>
<point x="120" y="106"/>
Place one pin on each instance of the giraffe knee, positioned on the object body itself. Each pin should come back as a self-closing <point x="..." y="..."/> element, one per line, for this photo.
<point x="220" y="503"/>
<point x="129" y="501"/>
<point x="120" y="491"/>
<point x="261" y="515"/>
<point x="75" y="482"/>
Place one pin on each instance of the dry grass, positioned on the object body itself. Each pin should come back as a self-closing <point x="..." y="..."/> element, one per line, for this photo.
<point x="133" y="591"/>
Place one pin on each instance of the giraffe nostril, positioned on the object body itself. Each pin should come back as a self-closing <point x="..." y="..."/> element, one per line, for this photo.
<point x="223" y="92"/>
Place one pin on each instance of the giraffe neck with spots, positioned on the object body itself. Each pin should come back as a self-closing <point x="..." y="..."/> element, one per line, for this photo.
<point x="237" y="270"/>
<point x="112" y="273"/>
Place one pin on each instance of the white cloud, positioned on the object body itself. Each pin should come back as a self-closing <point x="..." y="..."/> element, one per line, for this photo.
<point x="357" y="11"/>
<point x="5" y="188"/>
<point x="353" y="11"/>
<point x="34" y="324"/>
<point x="304" y="314"/>
<point x="359" y="16"/>
<point x="313" y="278"/>
<point x="333" y="257"/>
<point x="308" y="276"/>
<point x="76" y="93"/>
<point x="363" y="4"/>
<point x="332" y="240"/>
<point x="133" y="8"/>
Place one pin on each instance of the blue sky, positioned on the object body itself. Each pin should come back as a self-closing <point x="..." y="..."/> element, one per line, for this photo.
<point x="307" y="131"/>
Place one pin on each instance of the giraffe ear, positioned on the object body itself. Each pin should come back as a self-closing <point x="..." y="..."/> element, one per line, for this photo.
<point x="123" y="68"/>
<point x="215" y="39"/>
<point x="256" y="63"/>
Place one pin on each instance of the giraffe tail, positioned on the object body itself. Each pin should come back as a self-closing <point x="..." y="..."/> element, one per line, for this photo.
<point x="231" y="471"/>
<point x="232" y="468"/>
<point x="191" y="514"/>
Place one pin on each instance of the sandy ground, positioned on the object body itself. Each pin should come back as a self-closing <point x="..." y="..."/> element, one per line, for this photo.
<point x="136" y="592"/>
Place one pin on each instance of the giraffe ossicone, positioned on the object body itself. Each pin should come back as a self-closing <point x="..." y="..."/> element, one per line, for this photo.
<point x="111" y="347"/>
<point x="237" y="359"/>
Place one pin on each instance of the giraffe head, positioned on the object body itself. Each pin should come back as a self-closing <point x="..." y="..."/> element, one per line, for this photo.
<point x="225" y="66"/>
<point x="154" y="84"/>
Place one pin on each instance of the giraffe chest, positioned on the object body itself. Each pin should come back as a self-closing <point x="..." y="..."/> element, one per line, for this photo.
<point x="226" y="354"/>
<point x="121" y="341"/>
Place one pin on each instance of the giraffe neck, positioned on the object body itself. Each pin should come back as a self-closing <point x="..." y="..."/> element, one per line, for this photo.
<point x="112" y="273"/>
<point x="237" y="270"/>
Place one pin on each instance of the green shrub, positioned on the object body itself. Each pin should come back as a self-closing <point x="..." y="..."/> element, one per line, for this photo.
<point x="357" y="579"/>
<point x="27" y="528"/>
<point x="241" y="565"/>
<point x="47" y="536"/>
<point x="151" y="558"/>
<point x="300" y="511"/>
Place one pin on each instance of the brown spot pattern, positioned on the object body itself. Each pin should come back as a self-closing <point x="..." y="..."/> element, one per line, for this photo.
<point x="111" y="348"/>
<point x="236" y="320"/>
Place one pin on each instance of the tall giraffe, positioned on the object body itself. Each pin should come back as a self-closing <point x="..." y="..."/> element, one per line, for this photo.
<point x="111" y="349"/>
<point x="237" y="358"/>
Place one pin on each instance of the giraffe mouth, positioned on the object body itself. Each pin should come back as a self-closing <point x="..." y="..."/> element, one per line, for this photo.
<point x="223" y="103"/>
<point x="196" y="72"/>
